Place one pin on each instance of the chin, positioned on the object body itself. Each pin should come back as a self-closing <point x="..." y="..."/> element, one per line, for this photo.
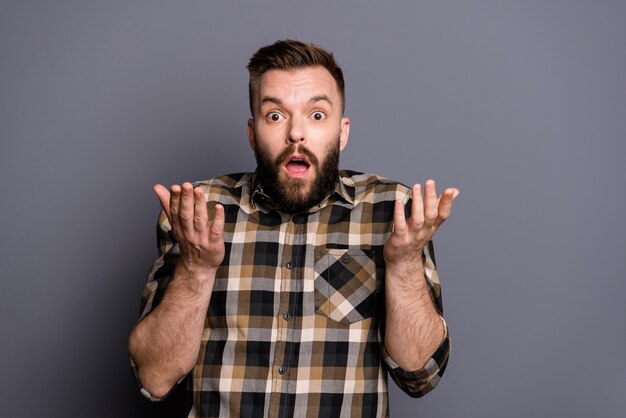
<point x="305" y="182"/>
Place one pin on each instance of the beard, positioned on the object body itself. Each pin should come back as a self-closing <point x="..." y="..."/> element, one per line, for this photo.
<point x="292" y="195"/>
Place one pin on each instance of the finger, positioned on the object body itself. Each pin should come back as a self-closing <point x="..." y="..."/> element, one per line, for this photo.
<point x="445" y="205"/>
<point x="455" y="192"/>
<point x="217" y="226"/>
<point x="430" y="202"/>
<point x="201" y="217"/>
<point x="187" y="209"/>
<point x="164" y="198"/>
<point x="175" y="206"/>
<point x="417" y="207"/>
<point x="399" y="221"/>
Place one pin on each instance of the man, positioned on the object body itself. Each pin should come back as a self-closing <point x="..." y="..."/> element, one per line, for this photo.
<point x="292" y="291"/>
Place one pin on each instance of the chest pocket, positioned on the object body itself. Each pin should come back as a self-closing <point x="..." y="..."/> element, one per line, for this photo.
<point x="345" y="284"/>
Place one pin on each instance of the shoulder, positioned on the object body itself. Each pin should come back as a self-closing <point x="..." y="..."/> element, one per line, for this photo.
<point x="227" y="181"/>
<point x="367" y="187"/>
<point x="226" y="187"/>
<point x="231" y="190"/>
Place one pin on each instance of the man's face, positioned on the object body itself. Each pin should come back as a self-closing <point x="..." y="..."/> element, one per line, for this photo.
<point x="297" y="134"/>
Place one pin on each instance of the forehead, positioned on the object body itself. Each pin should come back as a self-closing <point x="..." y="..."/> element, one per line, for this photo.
<point x="299" y="83"/>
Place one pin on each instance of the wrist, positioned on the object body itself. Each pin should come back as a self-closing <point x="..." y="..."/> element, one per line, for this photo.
<point x="405" y="267"/>
<point x="197" y="277"/>
<point x="403" y="259"/>
<point x="406" y="276"/>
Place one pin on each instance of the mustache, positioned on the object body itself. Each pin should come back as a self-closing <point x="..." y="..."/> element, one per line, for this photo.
<point x="301" y="149"/>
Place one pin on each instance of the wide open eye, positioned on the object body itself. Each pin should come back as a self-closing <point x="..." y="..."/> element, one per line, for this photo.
<point x="318" y="115"/>
<point x="274" y="116"/>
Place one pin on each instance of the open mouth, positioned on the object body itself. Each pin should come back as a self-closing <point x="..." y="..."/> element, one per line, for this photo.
<point x="297" y="165"/>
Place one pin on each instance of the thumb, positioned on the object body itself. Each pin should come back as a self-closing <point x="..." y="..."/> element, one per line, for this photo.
<point x="164" y="198"/>
<point x="217" y="226"/>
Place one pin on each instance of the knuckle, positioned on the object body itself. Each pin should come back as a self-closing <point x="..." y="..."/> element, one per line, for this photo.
<point x="185" y="217"/>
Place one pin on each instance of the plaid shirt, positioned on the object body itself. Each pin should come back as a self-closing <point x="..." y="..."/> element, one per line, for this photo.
<point x="296" y="316"/>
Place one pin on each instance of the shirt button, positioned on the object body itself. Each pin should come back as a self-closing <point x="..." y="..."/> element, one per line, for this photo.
<point x="282" y="370"/>
<point x="345" y="259"/>
<point x="287" y="316"/>
<point x="289" y="265"/>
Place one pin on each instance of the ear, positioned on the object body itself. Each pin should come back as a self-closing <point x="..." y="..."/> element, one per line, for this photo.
<point x="344" y="133"/>
<point x="251" y="137"/>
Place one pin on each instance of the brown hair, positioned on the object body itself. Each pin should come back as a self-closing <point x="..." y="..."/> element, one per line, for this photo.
<point x="291" y="54"/>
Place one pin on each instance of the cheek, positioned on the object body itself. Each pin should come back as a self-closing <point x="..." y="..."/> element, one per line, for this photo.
<point x="266" y="138"/>
<point x="321" y="134"/>
<point x="271" y="134"/>
<point x="323" y="137"/>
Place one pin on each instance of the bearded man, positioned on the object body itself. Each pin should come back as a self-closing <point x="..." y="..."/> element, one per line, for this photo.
<point x="294" y="290"/>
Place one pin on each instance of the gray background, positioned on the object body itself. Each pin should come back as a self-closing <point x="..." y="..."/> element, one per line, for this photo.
<point x="522" y="105"/>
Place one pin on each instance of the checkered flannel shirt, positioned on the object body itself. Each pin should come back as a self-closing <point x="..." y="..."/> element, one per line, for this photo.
<point x="297" y="314"/>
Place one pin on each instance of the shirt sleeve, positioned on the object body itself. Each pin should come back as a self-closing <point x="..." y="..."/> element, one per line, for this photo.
<point x="162" y="270"/>
<point x="419" y="382"/>
<point x="158" y="278"/>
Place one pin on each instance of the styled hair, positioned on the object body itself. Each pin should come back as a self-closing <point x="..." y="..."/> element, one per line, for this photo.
<point x="290" y="54"/>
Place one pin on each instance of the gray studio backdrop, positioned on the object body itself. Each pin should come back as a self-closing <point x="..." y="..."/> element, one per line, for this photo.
<point x="522" y="105"/>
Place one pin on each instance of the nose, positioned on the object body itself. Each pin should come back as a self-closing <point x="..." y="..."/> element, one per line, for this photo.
<point x="296" y="131"/>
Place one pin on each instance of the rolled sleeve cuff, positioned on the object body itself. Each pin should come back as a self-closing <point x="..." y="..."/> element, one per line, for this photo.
<point x="419" y="382"/>
<point x="143" y="390"/>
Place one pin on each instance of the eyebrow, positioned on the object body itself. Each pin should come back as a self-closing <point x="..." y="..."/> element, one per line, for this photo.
<point x="320" y="98"/>
<point x="270" y="99"/>
<point x="314" y="99"/>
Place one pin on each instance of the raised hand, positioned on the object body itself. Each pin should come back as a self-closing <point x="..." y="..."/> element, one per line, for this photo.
<point x="410" y="236"/>
<point x="201" y="242"/>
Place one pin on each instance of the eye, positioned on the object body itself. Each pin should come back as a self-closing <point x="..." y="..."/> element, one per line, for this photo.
<point x="318" y="115"/>
<point x="274" y="116"/>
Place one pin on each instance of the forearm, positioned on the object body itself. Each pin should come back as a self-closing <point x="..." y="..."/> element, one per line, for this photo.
<point x="414" y="329"/>
<point x="165" y="344"/>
